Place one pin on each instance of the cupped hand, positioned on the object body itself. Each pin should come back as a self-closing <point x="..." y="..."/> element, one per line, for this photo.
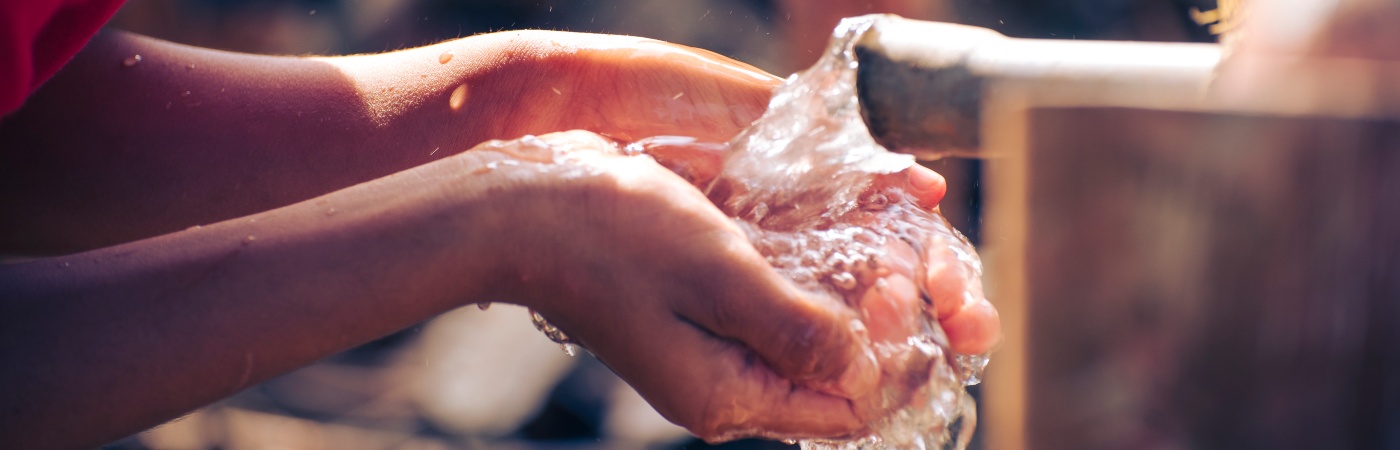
<point x="954" y="296"/>
<point x="640" y="268"/>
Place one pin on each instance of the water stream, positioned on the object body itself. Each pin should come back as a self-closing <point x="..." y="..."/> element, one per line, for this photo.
<point x="823" y="202"/>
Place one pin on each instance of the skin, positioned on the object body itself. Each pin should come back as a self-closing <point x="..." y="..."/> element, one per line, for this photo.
<point x="888" y="301"/>
<point x="289" y="208"/>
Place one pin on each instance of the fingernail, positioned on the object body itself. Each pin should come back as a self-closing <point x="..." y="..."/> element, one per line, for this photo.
<point x="924" y="181"/>
<point x="928" y="187"/>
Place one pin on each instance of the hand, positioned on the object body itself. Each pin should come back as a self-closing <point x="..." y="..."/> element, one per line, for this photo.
<point x="272" y="131"/>
<point x="888" y="298"/>
<point x="646" y="273"/>
<point x="971" y="322"/>
<point x="626" y="88"/>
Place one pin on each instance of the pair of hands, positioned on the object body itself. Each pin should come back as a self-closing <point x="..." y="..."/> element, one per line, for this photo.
<point x="301" y="255"/>
<point x="642" y="268"/>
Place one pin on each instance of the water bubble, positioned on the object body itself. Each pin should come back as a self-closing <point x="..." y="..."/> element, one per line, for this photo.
<point x="759" y="212"/>
<point x="445" y="57"/>
<point x="483" y="305"/>
<point x="970" y="368"/>
<point x="131" y="61"/>
<point x="844" y="280"/>
<point x="553" y="333"/>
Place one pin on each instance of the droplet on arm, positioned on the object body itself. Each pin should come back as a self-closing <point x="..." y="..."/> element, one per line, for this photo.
<point x="458" y="98"/>
<point x="131" y="61"/>
<point x="445" y="57"/>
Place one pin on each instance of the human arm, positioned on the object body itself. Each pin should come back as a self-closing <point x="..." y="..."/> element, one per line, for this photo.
<point x="652" y="277"/>
<point x="106" y="153"/>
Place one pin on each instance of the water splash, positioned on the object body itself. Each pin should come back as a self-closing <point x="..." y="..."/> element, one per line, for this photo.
<point x="825" y="204"/>
<point x="814" y="192"/>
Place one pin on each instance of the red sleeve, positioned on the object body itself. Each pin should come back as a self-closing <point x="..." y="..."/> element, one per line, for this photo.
<point x="39" y="36"/>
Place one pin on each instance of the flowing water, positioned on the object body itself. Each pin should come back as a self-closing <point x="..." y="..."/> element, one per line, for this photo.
<point x="812" y="189"/>
<point x="833" y="211"/>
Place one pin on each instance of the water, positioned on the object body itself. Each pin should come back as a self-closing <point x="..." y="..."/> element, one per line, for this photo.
<point x="458" y="97"/>
<point x="829" y="208"/>
<point x="445" y="57"/>
<point x="833" y="211"/>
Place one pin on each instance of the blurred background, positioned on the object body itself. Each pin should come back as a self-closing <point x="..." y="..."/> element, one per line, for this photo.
<point x="485" y="378"/>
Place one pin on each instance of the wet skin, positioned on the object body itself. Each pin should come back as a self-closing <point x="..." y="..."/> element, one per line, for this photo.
<point x="888" y="299"/>
<point x="338" y="205"/>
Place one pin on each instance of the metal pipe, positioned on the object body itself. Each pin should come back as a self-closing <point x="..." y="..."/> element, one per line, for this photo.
<point x="922" y="85"/>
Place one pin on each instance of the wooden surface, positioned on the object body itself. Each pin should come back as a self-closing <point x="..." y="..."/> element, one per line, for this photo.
<point x="1197" y="280"/>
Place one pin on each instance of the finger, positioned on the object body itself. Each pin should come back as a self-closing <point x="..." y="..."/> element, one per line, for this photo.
<point x="547" y="148"/>
<point x="580" y="141"/>
<point x="973" y="329"/>
<point x="891" y="309"/>
<point x="697" y="162"/>
<point x="927" y="186"/>
<point x="945" y="282"/>
<point x="970" y="321"/>
<point x="733" y="394"/>
<point x="809" y="339"/>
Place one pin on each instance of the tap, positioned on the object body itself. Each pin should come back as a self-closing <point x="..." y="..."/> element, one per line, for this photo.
<point x="923" y="86"/>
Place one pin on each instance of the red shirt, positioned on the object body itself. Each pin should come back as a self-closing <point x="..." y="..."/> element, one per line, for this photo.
<point x="39" y="36"/>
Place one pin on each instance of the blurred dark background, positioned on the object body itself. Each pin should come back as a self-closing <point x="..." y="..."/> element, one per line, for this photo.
<point x="486" y="379"/>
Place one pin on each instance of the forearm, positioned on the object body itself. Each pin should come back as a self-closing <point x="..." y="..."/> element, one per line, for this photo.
<point x="107" y="153"/>
<point x="101" y="344"/>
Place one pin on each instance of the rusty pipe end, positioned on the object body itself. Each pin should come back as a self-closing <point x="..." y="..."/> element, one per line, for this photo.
<point x="917" y="93"/>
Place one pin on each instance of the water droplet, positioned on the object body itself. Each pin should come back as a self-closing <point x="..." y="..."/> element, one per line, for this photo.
<point x="445" y="57"/>
<point x="844" y="281"/>
<point x="185" y="94"/>
<point x="249" y="240"/>
<point x="569" y="349"/>
<point x="189" y="67"/>
<point x="331" y="212"/>
<point x="556" y="90"/>
<point x="458" y="98"/>
<point x="874" y="202"/>
<point x="131" y="61"/>
<point x="760" y="211"/>
<point x="678" y="95"/>
<point x="970" y="368"/>
<point x="483" y="305"/>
